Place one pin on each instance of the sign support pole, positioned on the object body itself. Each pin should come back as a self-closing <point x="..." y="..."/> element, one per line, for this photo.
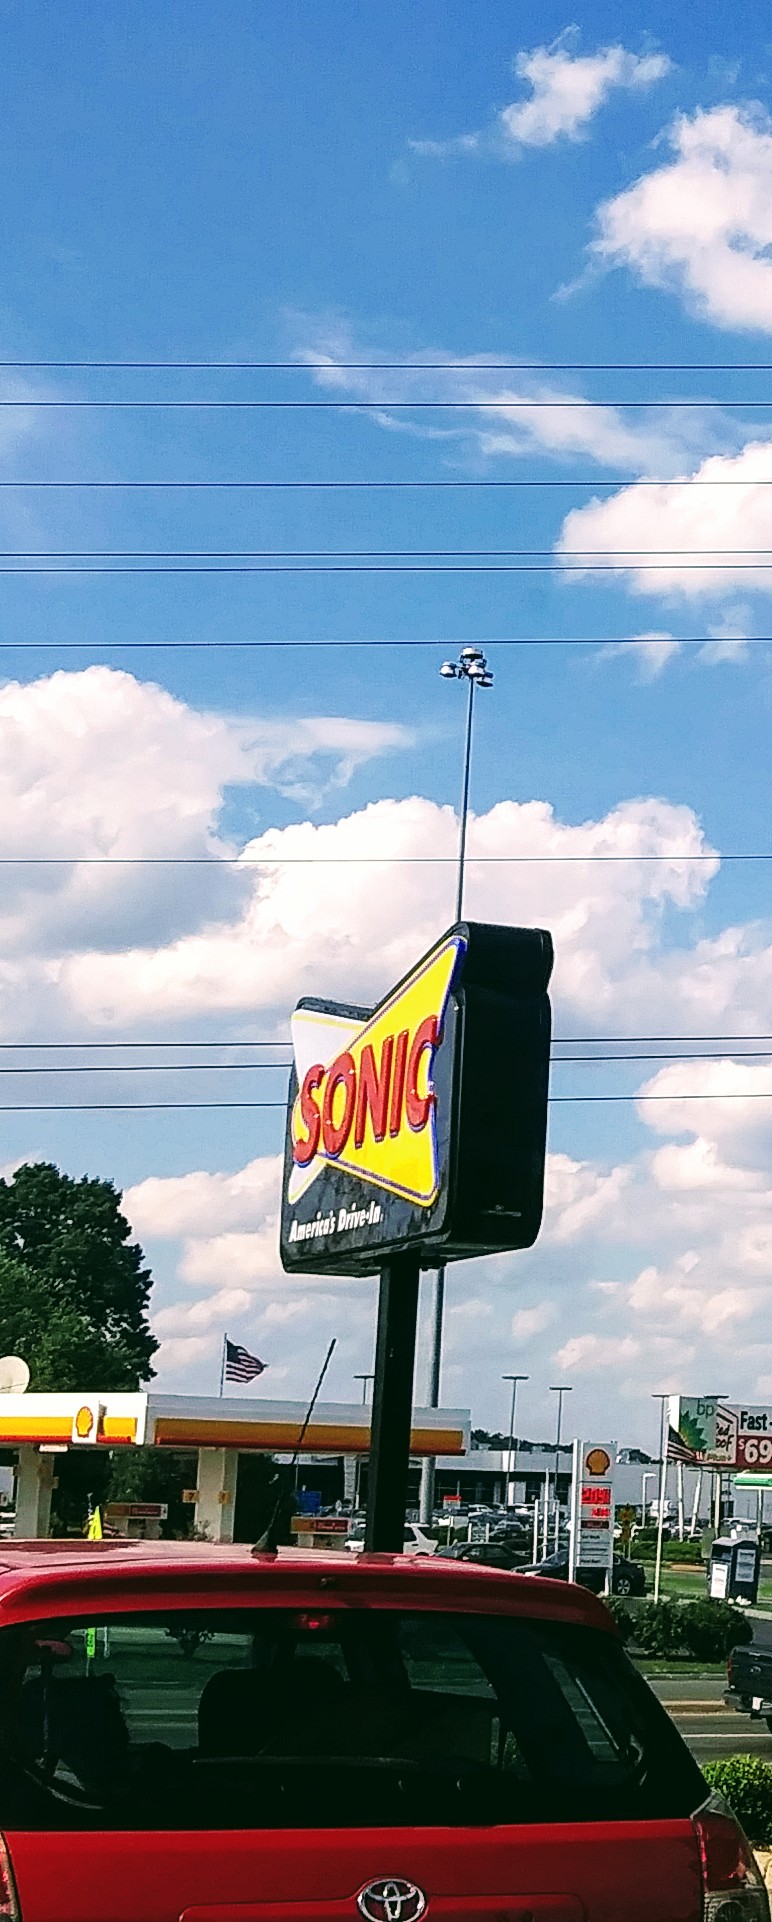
<point x="664" y="1401"/>
<point x="392" y="1405"/>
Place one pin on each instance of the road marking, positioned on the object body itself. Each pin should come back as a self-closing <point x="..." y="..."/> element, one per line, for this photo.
<point x="701" y="1740"/>
<point x="677" y="1709"/>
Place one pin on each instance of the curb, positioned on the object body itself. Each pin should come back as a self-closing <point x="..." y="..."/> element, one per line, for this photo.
<point x="764" y="1859"/>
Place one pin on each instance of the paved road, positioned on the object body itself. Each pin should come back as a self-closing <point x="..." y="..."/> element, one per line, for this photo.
<point x="711" y="1729"/>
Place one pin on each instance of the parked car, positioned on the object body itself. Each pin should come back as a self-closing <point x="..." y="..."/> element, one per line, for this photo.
<point x="416" y="1542"/>
<point x="199" y="1731"/>
<point x="486" y="1554"/>
<point x="515" y="1533"/>
<point x="627" y="1577"/>
<point x="749" y="1682"/>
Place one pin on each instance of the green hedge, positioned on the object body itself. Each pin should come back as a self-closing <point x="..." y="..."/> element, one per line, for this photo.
<point x="643" y="1548"/>
<point x="746" y="1784"/>
<point x="703" y="1631"/>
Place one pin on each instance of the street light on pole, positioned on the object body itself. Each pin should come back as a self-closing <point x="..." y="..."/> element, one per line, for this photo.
<point x="358" y="1471"/>
<point x="560" y="1390"/>
<point x="514" y="1380"/>
<point x="473" y="668"/>
<point x="645" y="1479"/>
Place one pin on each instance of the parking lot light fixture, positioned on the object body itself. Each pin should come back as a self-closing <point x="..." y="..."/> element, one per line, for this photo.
<point x="473" y="668"/>
<point x="560" y="1389"/>
<point x="510" y="1452"/>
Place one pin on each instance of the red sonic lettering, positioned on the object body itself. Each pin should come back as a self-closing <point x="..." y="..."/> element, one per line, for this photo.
<point x="304" y="1149"/>
<point x="418" y="1107"/>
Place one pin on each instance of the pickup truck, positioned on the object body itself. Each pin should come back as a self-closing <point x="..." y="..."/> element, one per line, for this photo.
<point x="749" y="1682"/>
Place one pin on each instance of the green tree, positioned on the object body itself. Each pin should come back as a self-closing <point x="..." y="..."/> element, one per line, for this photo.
<point x="74" y="1289"/>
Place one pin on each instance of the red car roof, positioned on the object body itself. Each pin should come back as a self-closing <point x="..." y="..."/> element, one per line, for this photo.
<point x="54" y="1578"/>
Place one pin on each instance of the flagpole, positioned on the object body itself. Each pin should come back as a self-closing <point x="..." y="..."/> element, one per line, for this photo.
<point x="222" y="1366"/>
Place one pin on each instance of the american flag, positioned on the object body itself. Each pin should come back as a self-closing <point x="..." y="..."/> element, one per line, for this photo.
<point x="239" y="1364"/>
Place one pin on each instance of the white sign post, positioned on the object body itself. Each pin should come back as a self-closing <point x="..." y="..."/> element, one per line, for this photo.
<point x="591" y="1527"/>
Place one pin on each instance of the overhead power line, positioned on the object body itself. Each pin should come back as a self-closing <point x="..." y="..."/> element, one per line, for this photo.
<point x="350" y="553"/>
<point x="141" y="1107"/>
<point x="353" y="403"/>
<point x="283" y="1066"/>
<point x="243" y="862"/>
<point x="283" y="1041"/>
<point x="559" y="568"/>
<point x="469" y="366"/>
<point x="332" y="486"/>
<point x="385" y="645"/>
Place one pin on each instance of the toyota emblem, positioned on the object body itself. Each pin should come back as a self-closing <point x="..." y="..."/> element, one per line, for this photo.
<point x="391" y="1900"/>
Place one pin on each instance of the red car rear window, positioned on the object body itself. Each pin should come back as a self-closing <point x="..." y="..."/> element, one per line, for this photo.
<point x="299" y="1718"/>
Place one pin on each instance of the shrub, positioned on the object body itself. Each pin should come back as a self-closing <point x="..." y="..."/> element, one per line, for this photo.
<point x="623" y="1615"/>
<point x="644" y="1549"/>
<point x="746" y="1784"/>
<point x="659" y="1628"/>
<point x="688" y="1553"/>
<point x="711" y="1629"/>
<point x="704" y="1630"/>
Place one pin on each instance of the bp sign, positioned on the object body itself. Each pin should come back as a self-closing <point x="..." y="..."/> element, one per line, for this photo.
<point x="420" y="1126"/>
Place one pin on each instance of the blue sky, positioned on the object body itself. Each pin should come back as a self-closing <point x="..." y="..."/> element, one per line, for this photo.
<point x="444" y="185"/>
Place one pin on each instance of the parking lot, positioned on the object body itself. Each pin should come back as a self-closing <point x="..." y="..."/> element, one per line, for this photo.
<point x="710" y="1728"/>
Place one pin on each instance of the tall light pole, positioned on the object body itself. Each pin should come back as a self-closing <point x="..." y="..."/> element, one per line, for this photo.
<point x="514" y="1380"/>
<point x="664" y="1401"/>
<point x="473" y="668"/>
<point x="560" y="1390"/>
<point x="645" y="1479"/>
<point x="358" y="1471"/>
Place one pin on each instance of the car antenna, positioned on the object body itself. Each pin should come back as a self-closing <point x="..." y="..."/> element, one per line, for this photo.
<point x="268" y="1541"/>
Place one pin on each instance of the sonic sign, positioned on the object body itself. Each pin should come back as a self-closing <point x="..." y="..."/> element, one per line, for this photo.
<point x="420" y="1126"/>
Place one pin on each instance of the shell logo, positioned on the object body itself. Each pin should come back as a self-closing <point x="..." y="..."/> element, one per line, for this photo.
<point x="598" y="1462"/>
<point x="84" y="1422"/>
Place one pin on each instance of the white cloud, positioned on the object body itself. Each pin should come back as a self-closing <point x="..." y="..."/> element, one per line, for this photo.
<point x="358" y="892"/>
<point x="505" y="417"/>
<point x="199" y="1203"/>
<point x="727" y="1100"/>
<point x="695" y="536"/>
<point x="701" y="223"/>
<point x="529" y="1322"/>
<point x="579" y="1198"/>
<point x="650" y="653"/>
<point x="567" y="90"/>
<point x="589" y="1353"/>
<point x="99" y="770"/>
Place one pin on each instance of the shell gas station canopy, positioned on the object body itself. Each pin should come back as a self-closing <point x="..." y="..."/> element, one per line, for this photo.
<point x="218" y="1428"/>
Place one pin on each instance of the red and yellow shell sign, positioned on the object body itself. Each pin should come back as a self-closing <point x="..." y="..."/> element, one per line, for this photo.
<point x="366" y="1100"/>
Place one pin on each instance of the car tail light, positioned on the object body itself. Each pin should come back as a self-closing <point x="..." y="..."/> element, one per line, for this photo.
<point x="730" y="1670"/>
<point x="733" y="1887"/>
<point x="9" y="1903"/>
